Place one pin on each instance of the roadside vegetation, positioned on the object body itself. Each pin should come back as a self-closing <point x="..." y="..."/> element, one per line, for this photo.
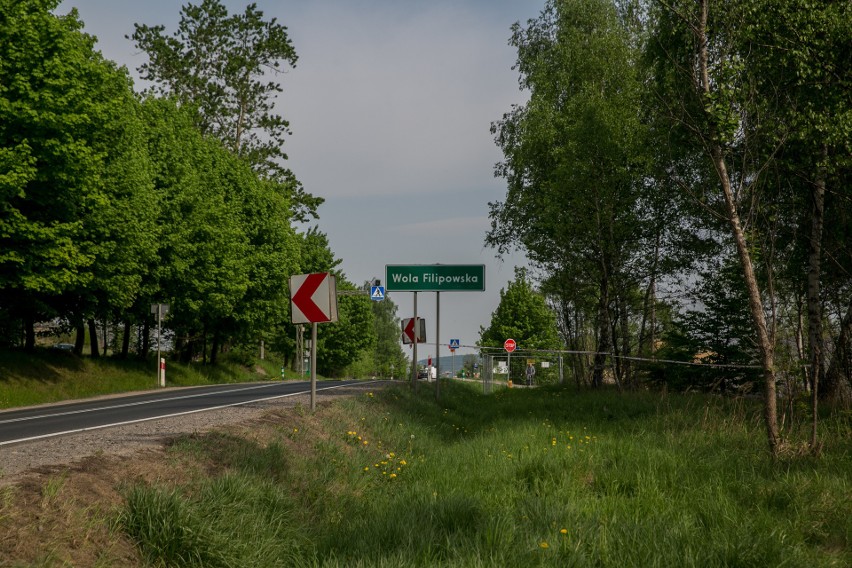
<point x="52" y="375"/>
<point x="523" y="477"/>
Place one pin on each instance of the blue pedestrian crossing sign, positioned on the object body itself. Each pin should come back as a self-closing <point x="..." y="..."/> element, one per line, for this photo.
<point x="454" y="343"/>
<point x="377" y="293"/>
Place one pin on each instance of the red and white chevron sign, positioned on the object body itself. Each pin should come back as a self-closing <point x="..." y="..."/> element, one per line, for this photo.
<point x="313" y="298"/>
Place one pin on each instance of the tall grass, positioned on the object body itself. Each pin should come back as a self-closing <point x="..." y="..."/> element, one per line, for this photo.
<point x="523" y="477"/>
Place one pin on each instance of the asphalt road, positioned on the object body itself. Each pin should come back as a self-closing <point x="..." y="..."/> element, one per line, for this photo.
<point x="55" y="420"/>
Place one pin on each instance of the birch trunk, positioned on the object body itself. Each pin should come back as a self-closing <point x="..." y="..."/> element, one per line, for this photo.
<point x="770" y="412"/>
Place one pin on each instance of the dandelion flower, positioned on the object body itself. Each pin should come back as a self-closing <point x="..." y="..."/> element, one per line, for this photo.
<point x="543" y="544"/>
<point x="392" y="476"/>
<point x="366" y="468"/>
<point x="564" y="531"/>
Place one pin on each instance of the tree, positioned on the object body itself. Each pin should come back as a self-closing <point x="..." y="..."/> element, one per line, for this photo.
<point x="341" y="343"/>
<point x="388" y="357"/>
<point x="220" y="64"/>
<point x="701" y="72"/>
<point x="576" y="148"/>
<point x="799" y="58"/>
<point x="77" y="186"/>
<point x="204" y="253"/>
<point x="522" y="315"/>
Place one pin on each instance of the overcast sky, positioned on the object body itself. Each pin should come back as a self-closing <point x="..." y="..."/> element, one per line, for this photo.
<point x="390" y="106"/>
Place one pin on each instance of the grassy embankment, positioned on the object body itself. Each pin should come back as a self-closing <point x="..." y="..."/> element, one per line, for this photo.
<point x="539" y="477"/>
<point x="543" y="477"/>
<point x="50" y="375"/>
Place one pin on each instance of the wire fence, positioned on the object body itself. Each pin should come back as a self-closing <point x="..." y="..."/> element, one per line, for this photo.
<point x="531" y="367"/>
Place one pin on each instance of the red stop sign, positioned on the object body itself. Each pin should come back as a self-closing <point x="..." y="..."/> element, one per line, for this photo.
<point x="509" y="345"/>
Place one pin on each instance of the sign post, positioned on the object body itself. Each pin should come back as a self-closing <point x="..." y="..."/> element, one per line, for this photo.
<point x="434" y="278"/>
<point x="454" y="344"/>
<point x="313" y="300"/>
<point x="509" y="345"/>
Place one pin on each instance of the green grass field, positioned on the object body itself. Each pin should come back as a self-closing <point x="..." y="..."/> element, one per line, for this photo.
<point x="522" y="477"/>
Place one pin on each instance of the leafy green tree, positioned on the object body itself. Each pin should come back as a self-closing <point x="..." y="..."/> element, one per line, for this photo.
<point x="204" y="252"/>
<point x="77" y="189"/>
<point x="388" y="356"/>
<point x="522" y="315"/>
<point x="221" y="64"/>
<point x="802" y="78"/>
<point x="341" y="343"/>
<point x="576" y="149"/>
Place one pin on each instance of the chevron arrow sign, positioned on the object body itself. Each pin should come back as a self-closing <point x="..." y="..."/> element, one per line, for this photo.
<point x="313" y="298"/>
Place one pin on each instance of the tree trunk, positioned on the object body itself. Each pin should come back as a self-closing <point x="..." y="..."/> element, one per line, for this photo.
<point x="93" y="338"/>
<point x="603" y="334"/>
<point x="814" y="303"/>
<point x="650" y="304"/>
<point x="125" y="340"/>
<point x="145" y="344"/>
<point x="800" y="340"/>
<point x="80" y="339"/>
<point x="106" y="338"/>
<point x="755" y="303"/>
<point x="626" y="367"/>
<point x="214" y="348"/>
<point x="29" y="332"/>
<point x="204" y="345"/>
<point x="841" y="361"/>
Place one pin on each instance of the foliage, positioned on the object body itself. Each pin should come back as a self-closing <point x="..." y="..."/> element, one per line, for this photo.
<point x="576" y="169"/>
<point x="341" y="343"/>
<point x="388" y="357"/>
<point x="75" y="230"/>
<point x="522" y="315"/>
<point x="221" y="63"/>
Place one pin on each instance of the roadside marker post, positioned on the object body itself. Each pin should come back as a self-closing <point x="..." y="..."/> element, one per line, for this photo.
<point x="160" y="310"/>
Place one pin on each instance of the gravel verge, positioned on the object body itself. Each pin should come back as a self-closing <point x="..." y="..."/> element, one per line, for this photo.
<point x="19" y="460"/>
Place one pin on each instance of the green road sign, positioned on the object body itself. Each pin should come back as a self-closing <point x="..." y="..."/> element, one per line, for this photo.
<point x="435" y="277"/>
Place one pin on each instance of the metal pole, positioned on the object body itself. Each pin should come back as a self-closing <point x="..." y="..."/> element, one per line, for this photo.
<point x="313" y="366"/>
<point x="416" y="339"/>
<point x="437" y="346"/>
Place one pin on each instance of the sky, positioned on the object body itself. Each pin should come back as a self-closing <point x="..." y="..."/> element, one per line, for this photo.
<point x="390" y="106"/>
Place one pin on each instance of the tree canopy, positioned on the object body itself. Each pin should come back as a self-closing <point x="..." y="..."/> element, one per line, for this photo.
<point x="221" y="63"/>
